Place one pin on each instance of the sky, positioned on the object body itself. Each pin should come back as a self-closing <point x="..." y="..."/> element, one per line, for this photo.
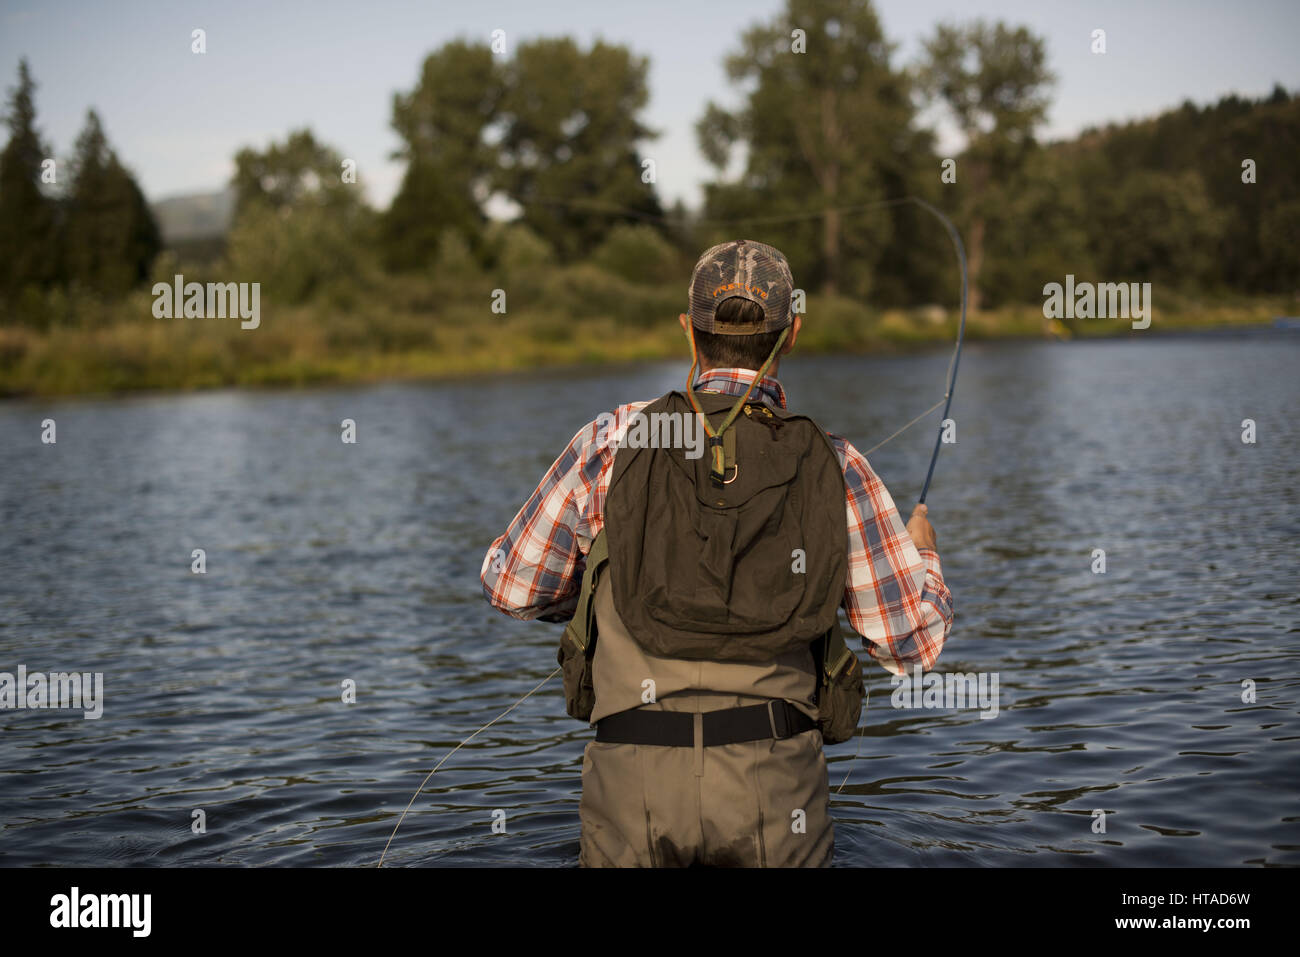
<point x="176" y="118"/>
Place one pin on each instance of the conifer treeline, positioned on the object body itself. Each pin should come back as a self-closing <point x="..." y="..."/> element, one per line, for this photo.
<point x="80" y="223"/>
<point x="557" y="130"/>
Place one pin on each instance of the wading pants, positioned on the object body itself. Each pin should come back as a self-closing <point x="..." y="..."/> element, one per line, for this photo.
<point x="753" y="804"/>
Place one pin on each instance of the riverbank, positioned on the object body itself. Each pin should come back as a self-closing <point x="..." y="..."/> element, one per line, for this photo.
<point x="121" y="347"/>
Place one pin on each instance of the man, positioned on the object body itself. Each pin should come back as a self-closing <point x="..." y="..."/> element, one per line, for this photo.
<point x="707" y="580"/>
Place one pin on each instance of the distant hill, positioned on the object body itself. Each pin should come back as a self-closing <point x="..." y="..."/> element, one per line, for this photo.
<point x="186" y="219"/>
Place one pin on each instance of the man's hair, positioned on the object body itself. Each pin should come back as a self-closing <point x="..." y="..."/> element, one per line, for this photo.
<point x="720" y="351"/>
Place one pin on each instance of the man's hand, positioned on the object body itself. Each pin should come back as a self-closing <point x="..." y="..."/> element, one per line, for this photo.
<point x="919" y="527"/>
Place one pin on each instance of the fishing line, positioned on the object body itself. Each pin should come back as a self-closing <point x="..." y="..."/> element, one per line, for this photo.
<point x="950" y="378"/>
<point x="904" y="428"/>
<point x="866" y="700"/>
<point x="453" y="751"/>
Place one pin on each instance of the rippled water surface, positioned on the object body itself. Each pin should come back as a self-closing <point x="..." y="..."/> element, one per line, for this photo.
<point x="1120" y="692"/>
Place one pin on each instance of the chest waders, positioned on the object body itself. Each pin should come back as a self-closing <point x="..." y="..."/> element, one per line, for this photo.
<point x="744" y="569"/>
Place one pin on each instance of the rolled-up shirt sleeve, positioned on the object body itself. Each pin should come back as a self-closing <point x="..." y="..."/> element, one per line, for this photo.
<point x="895" y="596"/>
<point x="534" y="568"/>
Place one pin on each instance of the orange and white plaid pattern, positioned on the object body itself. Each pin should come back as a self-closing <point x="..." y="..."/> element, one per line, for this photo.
<point x="895" y="596"/>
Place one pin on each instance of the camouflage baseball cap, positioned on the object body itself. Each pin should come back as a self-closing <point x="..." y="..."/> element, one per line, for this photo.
<point x="747" y="269"/>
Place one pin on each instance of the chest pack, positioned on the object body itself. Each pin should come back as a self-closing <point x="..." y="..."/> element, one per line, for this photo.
<point x="743" y="569"/>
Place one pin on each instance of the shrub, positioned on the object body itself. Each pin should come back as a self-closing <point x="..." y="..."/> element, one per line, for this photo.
<point x="640" y="254"/>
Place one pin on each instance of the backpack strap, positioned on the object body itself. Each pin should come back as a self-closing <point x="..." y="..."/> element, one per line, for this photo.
<point x="729" y="456"/>
<point x="718" y="472"/>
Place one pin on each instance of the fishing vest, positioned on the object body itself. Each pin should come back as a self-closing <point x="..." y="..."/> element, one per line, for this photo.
<point x="750" y="570"/>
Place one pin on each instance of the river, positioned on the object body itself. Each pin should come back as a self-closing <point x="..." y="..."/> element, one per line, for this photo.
<point x="1163" y="691"/>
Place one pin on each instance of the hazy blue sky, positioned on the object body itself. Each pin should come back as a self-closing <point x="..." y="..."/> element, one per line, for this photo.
<point x="176" y="118"/>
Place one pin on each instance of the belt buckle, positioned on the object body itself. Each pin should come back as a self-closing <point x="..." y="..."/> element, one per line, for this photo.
<point x="771" y="718"/>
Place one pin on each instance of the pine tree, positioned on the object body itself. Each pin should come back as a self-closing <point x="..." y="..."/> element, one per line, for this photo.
<point x="29" y="255"/>
<point x="111" y="237"/>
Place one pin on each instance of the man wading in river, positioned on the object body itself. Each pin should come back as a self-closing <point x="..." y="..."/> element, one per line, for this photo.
<point x="701" y="582"/>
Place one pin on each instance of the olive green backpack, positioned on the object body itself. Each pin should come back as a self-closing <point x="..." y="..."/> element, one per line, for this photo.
<point x="745" y="569"/>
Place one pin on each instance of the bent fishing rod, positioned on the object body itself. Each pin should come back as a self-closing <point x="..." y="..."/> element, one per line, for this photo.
<point x="946" y="402"/>
<point x="961" y="334"/>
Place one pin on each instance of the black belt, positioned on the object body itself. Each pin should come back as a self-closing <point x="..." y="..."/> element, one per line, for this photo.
<point x="776" y="719"/>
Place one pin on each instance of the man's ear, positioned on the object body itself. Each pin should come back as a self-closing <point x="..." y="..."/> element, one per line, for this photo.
<point x="794" y="334"/>
<point x="682" y="320"/>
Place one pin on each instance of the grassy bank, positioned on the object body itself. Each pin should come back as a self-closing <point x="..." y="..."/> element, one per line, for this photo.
<point x="417" y="330"/>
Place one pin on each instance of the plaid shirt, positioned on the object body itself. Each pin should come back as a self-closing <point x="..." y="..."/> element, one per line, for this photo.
<point x="895" y="594"/>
